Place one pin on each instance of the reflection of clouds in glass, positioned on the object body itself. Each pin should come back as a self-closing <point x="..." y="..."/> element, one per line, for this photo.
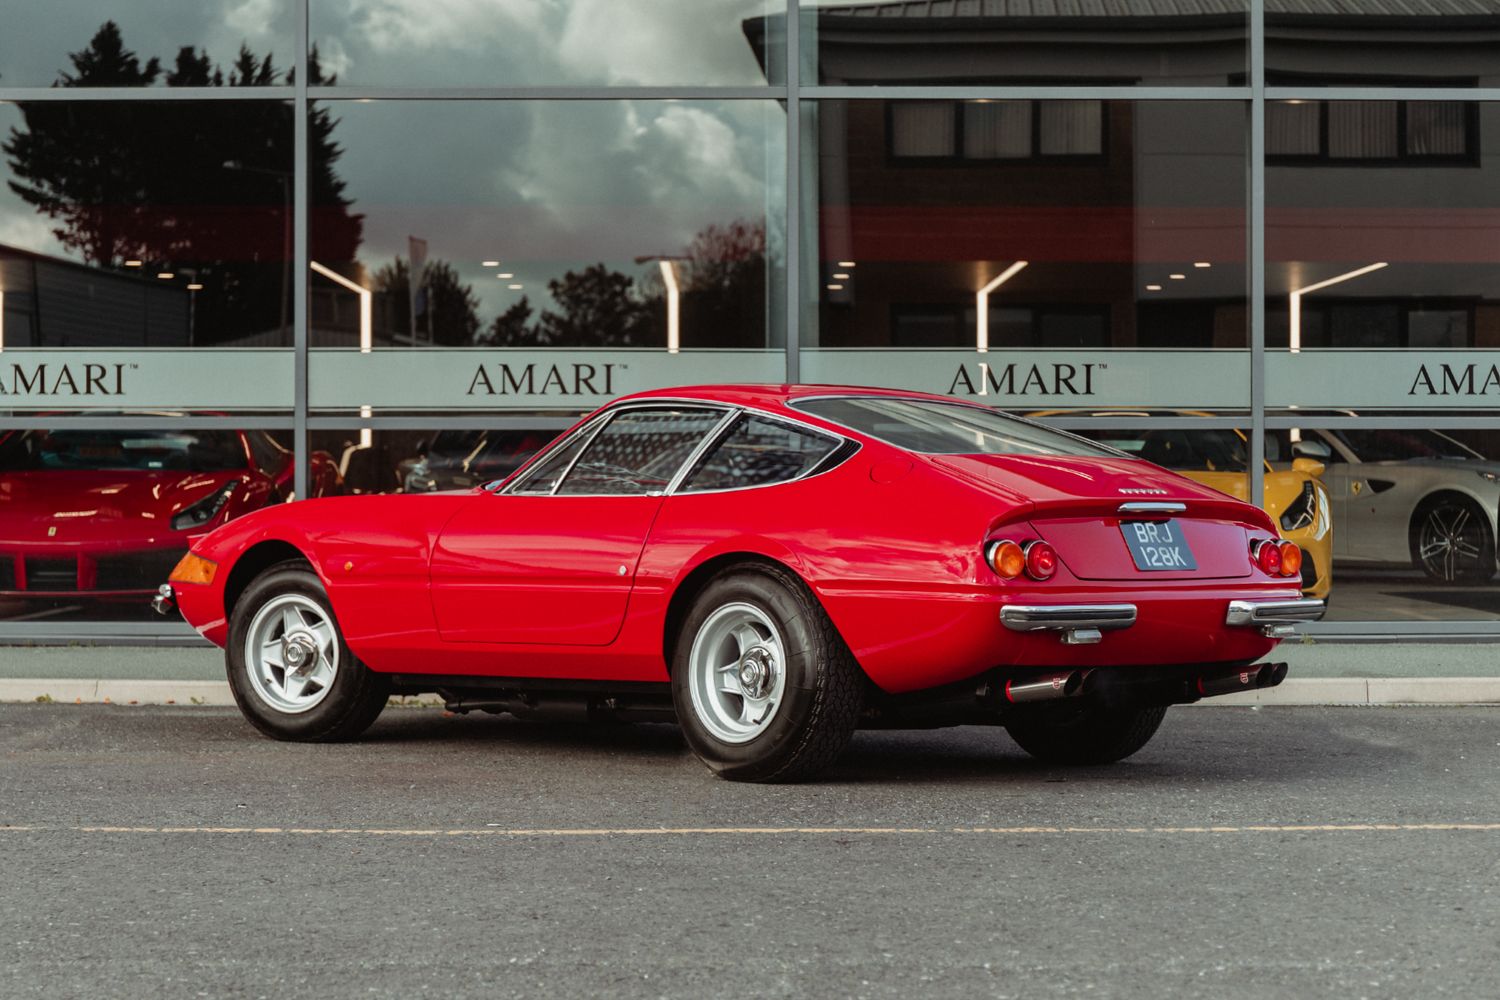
<point x="38" y="36"/>
<point x="421" y="26"/>
<point x="509" y="42"/>
<point x="21" y="227"/>
<point x="253" y="20"/>
<point x="548" y="186"/>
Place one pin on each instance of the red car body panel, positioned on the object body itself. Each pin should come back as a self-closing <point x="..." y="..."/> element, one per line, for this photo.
<point x="890" y="541"/>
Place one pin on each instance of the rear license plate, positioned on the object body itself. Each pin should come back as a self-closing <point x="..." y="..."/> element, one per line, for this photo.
<point x="1157" y="545"/>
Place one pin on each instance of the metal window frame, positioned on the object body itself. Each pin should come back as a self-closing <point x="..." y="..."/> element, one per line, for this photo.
<point x="793" y="93"/>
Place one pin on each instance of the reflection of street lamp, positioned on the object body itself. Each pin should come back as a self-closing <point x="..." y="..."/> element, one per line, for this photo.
<point x="982" y="305"/>
<point x="366" y="333"/>
<point x="1294" y="300"/>
<point x="668" y="266"/>
<point x="285" y="177"/>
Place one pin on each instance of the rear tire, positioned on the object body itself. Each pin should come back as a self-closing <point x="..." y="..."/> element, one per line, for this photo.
<point x="292" y="674"/>
<point x="1092" y="732"/>
<point x="764" y="687"/>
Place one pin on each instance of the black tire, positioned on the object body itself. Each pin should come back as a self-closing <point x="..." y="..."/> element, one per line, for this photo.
<point x="353" y="700"/>
<point x="1459" y="524"/>
<point x="1084" y="730"/>
<point x="823" y="685"/>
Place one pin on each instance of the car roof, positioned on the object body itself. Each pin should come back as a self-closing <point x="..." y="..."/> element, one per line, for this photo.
<point x="778" y="396"/>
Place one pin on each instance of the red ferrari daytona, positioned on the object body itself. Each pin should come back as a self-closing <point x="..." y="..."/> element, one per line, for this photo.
<point x="771" y="567"/>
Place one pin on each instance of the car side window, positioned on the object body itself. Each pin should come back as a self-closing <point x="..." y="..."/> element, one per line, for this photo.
<point x="639" y="451"/>
<point x="758" y="452"/>
<point x="544" y="477"/>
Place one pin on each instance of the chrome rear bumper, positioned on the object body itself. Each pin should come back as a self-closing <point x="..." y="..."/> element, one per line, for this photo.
<point x="1080" y="624"/>
<point x="1274" y="618"/>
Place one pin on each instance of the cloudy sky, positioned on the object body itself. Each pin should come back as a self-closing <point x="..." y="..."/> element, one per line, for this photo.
<point x="540" y="186"/>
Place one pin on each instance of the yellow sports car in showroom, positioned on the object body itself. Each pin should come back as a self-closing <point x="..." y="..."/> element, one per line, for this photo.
<point x="1220" y="458"/>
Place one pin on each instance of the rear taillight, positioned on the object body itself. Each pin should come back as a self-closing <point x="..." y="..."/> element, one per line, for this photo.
<point x="1037" y="559"/>
<point x="1291" y="559"/>
<point x="1041" y="560"/>
<point x="1266" y="555"/>
<point x="1006" y="558"/>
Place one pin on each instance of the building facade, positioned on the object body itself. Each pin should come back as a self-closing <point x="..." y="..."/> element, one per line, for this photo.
<point x="258" y="250"/>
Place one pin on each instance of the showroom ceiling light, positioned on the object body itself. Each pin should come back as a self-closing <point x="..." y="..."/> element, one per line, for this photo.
<point x="982" y="305"/>
<point x="841" y="276"/>
<point x="165" y="275"/>
<point x="1153" y="288"/>
<point x="134" y="263"/>
<point x="1202" y="263"/>
<point x="1177" y="277"/>
<point x="1294" y="302"/>
<point x="194" y="286"/>
<point x="846" y="263"/>
<point x="505" y="275"/>
<point x="834" y="287"/>
<point x="490" y="263"/>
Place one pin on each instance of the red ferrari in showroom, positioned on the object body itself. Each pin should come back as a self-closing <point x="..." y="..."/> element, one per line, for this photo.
<point x="771" y="567"/>
<point x="105" y="514"/>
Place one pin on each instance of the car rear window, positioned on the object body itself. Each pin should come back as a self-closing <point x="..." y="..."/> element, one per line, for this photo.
<point x="937" y="428"/>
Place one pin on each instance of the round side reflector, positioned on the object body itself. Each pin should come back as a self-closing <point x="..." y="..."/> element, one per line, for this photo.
<point x="1267" y="556"/>
<point x="1007" y="559"/>
<point x="1041" y="560"/>
<point x="1291" y="559"/>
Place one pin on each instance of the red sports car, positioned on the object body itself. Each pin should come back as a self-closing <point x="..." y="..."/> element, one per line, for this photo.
<point x="104" y="514"/>
<point x="771" y="567"/>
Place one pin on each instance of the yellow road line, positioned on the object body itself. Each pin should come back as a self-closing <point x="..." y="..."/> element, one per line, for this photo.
<point x="757" y="831"/>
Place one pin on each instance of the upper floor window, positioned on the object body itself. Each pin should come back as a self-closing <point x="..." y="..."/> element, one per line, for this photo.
<point x="1371" y="131"/>
<point x="986" y="131"/>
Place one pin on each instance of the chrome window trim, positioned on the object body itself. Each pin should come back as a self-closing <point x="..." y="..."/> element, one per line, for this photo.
<point x="524" y="474"/>
<point x="1007" y="414"/>
<point x="838" y="440"/>
<point x="607" y="417"/>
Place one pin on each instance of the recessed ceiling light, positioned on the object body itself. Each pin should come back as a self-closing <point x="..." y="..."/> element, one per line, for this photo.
<point x="491" y="263"/>
<point x="133" y="263"/>
<point x="841" y="276"/>
<point x="505" y="275"/>
<point x="1202" y="263"/>
<point x="194" y="287"/>
<point x="165" y="275"/>
<point x="1177" y="277"/>
<point x="835" y="288"/>
<point x="846" y="263"/>
<point x="1153" y="288"/>
<point x="515" y="288"/>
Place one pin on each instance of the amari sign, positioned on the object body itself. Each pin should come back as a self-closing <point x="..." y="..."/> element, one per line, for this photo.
<point x="1370" y="380"/>
<point x="199" y="380"/>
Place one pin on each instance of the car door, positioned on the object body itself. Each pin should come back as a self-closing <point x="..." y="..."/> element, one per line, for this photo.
<point x="552" y="559"/>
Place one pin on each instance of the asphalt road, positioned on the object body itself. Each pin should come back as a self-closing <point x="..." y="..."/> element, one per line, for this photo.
<point x="172" y="852"/>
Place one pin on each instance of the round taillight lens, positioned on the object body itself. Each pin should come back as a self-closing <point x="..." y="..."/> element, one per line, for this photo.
<point x="1007" y="559"/>
<point x="1291" y="559"/>
<point x="1041" y="560"/>
<point x="1267" y="556"/>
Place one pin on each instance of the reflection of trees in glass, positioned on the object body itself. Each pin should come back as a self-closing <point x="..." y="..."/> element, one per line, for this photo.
<point x="722" y="276"/>
<point x="201" y="192"/>
<point x="447" y="308"/>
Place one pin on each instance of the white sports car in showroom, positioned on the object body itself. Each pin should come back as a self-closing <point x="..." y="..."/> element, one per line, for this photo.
<point x="1438" y="494"/>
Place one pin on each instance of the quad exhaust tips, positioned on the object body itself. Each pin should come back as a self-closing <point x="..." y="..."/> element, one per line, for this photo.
<point x="1259" y="675"/>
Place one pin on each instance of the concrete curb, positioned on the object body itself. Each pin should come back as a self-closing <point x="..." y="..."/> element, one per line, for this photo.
<point x="1306" y="691"/>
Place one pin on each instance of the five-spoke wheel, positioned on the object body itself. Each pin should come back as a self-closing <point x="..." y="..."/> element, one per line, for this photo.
<point x="764" y="687"/>
<point x="291" y="672"/>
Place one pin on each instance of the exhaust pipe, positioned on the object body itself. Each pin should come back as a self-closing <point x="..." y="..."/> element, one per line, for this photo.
<point x="1046" y="687"/>
<point x="1259" y="675"/>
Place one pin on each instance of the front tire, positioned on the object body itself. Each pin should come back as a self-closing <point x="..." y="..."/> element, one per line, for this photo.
<point x="765" y="688"/>
<point x="1089" y="732"/>
<point x="292" y="674"/>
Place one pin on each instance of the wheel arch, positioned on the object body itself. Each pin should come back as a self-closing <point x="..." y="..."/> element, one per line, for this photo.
<point x="1448" y="493"/>
<point x="255" y="560"/>
<point x="692" y="584"/>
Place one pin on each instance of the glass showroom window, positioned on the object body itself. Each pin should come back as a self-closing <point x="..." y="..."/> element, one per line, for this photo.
<point x="1097" y="244"/>
<point x="401" y="460"/>
<point x="92" y="519"/>
<point x="592" y="247"/>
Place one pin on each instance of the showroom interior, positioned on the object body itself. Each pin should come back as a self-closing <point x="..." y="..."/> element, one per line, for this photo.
<point x="255" y="251"/>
